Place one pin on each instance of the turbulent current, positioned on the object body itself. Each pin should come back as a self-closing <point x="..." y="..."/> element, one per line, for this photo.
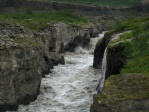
<point x="69" y="87"/>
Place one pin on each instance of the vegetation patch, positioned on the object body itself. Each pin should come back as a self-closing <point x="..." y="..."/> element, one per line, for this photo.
<point x="138" y="52"/>
<point x="36" y="20"/>
<point x="136" y="44"/>
<point x="22" y="41"/>
<point x="117" y="43"/>
<point x="129" y="24"/>
<point x="124" y="87"/>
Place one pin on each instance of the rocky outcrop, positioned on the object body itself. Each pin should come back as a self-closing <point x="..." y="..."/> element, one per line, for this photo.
<point x="20" y="72"/>
<point x="26" y="56"/>
<point x="100" y="48"/>
<point x="115" y="60"/>
<point x="115" y="56"/>
<point x="123" y="93"/>
<point x="66" y="37"/>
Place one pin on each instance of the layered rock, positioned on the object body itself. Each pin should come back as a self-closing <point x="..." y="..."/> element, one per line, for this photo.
<point x="26" y="56"/>
<point x="67" y="37"/>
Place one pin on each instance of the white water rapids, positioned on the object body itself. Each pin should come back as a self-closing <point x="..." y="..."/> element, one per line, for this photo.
<point x="69" y="87"/>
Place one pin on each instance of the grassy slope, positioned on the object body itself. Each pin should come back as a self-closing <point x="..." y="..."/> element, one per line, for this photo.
<point x="138" y="51"/>
<point x="117" y="3"/>
<point x="40" y="19"/>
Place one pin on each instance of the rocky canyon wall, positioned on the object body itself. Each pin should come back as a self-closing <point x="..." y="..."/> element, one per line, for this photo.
<point x="26" y="56"/>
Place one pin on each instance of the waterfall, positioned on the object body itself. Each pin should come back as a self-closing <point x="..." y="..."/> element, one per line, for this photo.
<point x="104" y="62"/>
<point x="103" y="72"/>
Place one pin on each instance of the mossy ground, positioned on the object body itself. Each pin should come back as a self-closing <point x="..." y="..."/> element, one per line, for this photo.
<point x="26" y="42"/>
<point x="36" y="20"/>
<point x="124" y="87"/>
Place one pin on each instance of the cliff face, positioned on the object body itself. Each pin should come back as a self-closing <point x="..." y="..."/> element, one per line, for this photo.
<point x="100" y="48"/>
<point x="26" y="56"/>
<point x="20" y="72"/>
<point x="66" y="37"/>
<point x="20" y="76"/>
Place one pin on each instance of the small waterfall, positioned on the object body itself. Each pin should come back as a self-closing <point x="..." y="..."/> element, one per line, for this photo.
<point x="103" y="72"/>
<point x="104" y="62"/>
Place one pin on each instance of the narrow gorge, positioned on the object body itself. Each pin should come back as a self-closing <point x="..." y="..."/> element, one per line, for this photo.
<point x="66" y="57"/>
<point x="27" y="56"/>
<point x="69" y="87"/>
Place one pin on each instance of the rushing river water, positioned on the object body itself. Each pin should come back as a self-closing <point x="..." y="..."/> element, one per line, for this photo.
<point x="69" y="87"/>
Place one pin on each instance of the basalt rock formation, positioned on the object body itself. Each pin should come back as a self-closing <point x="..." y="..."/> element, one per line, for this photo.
<point x="26" y="56"/>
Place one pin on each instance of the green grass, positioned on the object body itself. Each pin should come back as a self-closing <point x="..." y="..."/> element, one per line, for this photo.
<point x="36" y="20"/>
<point x="124" y="87"/>
<point x="117" y="3"/>
<point x="137" y="55"/>
<point x="137" y="52"/>
<point x="130" y="24"/>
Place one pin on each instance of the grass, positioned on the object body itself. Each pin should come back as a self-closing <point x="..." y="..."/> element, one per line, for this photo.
<point x="117" y="3"/>
<point x="137" y="61"/>
<point x="36" y="20"/>
<point x="124" y="87"/>
<point x="137" y="52"/>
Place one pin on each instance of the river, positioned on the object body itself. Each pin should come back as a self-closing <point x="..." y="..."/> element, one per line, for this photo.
<point x="69" y="87"/>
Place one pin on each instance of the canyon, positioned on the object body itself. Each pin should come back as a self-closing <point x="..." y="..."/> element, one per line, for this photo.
<point x="31" y="61"/>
